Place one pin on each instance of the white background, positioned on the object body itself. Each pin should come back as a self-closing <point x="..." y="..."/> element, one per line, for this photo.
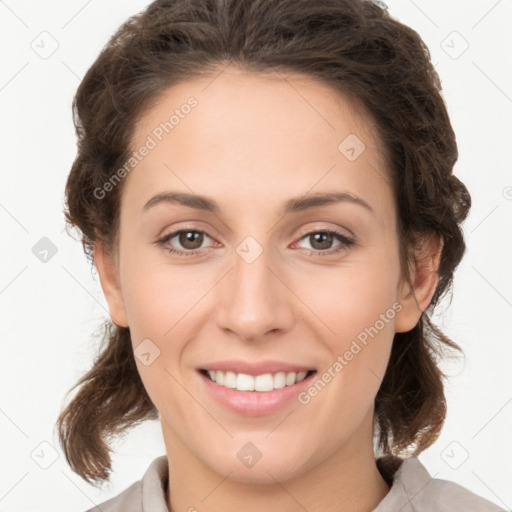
<point x="50" y="310"/>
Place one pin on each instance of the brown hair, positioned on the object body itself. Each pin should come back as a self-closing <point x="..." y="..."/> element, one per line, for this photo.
<point x="356" y="47"/>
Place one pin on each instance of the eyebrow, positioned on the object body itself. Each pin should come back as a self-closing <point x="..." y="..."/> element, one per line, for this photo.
<point x="291" y="206"/>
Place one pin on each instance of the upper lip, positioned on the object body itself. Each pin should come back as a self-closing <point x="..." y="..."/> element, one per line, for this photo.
<point x="256" y="368"/>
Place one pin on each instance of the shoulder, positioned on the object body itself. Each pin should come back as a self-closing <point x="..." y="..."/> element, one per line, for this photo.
<point x="148" y="493"/>
<point x="414" y="490"/>
<point x="129" y="501"/>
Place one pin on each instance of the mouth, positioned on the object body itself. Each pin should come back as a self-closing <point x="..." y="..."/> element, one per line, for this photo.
<point x="255" y="388"/>
<point x="259" y="383"/>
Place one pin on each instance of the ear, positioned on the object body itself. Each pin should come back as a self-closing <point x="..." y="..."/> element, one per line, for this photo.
<point x="109" y="280"/>
<point x="415" y="296"/>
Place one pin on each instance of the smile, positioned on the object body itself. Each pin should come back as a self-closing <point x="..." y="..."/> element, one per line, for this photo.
<point x="261" y="383"/>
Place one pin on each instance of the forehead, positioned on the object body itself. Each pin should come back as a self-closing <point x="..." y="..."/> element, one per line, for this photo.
<point x="247" y="134"/>
<point x="238" y="103"/>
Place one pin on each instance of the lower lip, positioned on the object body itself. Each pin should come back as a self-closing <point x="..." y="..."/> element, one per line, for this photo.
<point x="255" y="403"/>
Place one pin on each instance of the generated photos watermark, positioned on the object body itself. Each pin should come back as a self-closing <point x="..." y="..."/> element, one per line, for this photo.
<point x="343" y="360"/>
<point x="151" y="142"/>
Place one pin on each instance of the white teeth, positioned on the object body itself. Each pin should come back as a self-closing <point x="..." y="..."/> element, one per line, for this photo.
<point x="264" y="382"/>
<point x="290" y="378"/>
<point x="279" y="380"/>
<point x="244" y="382"/>
<point x="301" y="376"/>
<point x="230" y="380"/>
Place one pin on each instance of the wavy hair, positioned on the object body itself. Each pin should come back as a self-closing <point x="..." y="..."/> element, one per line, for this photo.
<point x="354" y="46"/>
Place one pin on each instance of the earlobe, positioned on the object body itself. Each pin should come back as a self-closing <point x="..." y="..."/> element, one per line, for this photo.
<point x="415" y="297"/>
<point x="110" y="285"/>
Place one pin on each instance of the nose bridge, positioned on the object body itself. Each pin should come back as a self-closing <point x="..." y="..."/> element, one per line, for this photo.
<point x="253" y="300"/>
<point x="251" y="275"/>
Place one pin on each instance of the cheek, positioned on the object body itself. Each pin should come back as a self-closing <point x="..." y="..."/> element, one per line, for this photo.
<point x="162" y="303"/>
<point x="357" y="306"/>
<point x="352" y="297"/>
<point x="159" y="302"/>
<point x="157" y="296"/>
<point x="342" y="300"/>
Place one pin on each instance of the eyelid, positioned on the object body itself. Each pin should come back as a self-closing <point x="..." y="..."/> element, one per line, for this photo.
<point x="302" y="232"/>
<point x="336" y="229"/>
<point x="165" y="237"/>
<point x="346" y="241"/>
<point x="186" y="226"/>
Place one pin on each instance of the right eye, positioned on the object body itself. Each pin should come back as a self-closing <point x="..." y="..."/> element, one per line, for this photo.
<point x="190" y="239"/>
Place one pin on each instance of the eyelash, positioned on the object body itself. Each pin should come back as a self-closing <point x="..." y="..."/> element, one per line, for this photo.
<point x="346" y="242"/>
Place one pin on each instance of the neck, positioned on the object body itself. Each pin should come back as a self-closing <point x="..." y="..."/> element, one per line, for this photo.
<point x="346" y="480"/>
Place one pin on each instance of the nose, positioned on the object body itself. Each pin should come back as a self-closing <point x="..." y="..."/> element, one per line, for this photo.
<point x="253" y="299"/>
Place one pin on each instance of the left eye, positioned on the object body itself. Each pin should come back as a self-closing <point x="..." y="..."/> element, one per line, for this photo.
<point x="191" y="240"/>
<point x="323" y="240"/>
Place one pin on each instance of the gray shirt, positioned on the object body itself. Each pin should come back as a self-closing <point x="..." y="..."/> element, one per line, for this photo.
<point x="412" y="490"/>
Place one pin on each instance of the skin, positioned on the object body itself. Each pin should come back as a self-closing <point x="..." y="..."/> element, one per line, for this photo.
<point x="253" y="142"/>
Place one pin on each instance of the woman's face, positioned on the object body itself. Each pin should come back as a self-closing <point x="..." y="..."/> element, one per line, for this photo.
<point x="259" y="288"/>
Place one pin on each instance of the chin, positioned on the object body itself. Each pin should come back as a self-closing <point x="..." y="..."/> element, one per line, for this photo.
<point x="271" y="467"/>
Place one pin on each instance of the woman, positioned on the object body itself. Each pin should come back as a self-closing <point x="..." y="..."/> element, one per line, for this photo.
<point x="266" y="190"/>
